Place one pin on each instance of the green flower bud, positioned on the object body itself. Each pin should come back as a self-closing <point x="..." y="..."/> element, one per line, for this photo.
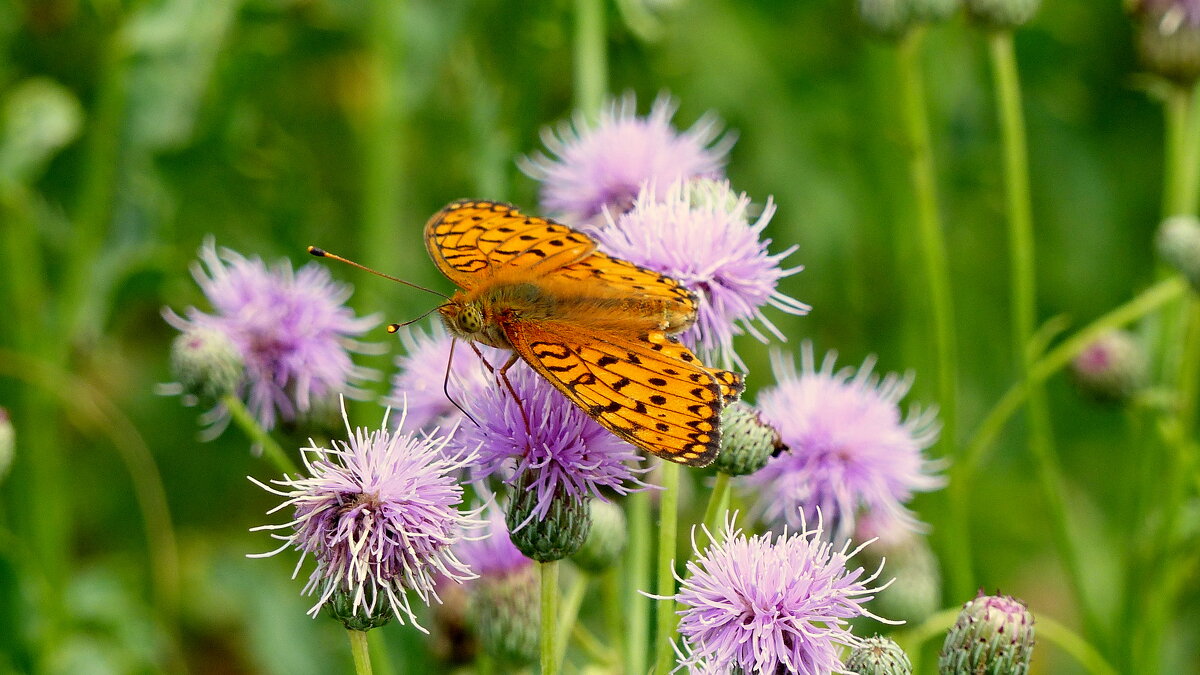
<point x="1003" y="13"/>
<point x="887" y="18"/>
<point x="992" y="636"/>
<point x="934" y="10"/>
<point x="916" y="593"/>
<point x="879" y="656"/>
<point x="206" y="364"/>
<point x="1112" y="368"/>
<point x="747" y="442"/>
<point x="7" y="443"/>
<point x="1168" y="42"/>
<point x="1178" y="242"/>
<point x="606" y="540"/>
<point x="341" y="607"/>
<point x="506" y="616"/>
<point x="557" y="535"/>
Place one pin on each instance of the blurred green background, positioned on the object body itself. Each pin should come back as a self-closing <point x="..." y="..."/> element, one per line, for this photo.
<point x="132" y="130"/>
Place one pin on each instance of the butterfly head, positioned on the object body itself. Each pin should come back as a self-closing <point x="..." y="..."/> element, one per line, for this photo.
<point x="467" y="319"/>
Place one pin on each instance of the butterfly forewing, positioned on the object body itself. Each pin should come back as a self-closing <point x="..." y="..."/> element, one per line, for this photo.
<point x="622" y="275"/>
<point x="648" y="389"/>
<point x="473" y="240"/>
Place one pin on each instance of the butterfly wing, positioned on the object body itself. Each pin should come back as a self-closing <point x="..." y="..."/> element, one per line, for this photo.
<point x="471" y="240"/>
<point x="625" y="277"/>
<point x="648" y="389"/>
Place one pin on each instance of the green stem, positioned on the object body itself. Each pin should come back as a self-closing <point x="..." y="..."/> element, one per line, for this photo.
<point x="250" y="426"/>
<point x="1024" y="307"/>
<point x="381" y="659"/>
<point x="548" y="572"/>
<point x="716" y="510"/>
<point x="933" y="253"/>
<point x="360" y="651"/>
<point x="1056" y="359"/>
<point x="1078" y="648"/>
<point x="668" y="505"/>
<point x="614" y="619"/>
<point x="591" y="60"/>
<point x="570" y="614"/>
<point x="638" y="566"/>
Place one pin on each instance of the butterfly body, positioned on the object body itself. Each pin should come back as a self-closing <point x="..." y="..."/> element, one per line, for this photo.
<point x="598" y="328"/>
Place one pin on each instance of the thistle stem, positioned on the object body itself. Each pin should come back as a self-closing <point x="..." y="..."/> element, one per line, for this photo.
<point x="548" y="572"/>
<point x="570" y="613"/>
<point x="591" y="59"/>
<point x="250" y="426"/>
<point x="638" y="566"/>
<point x="666" y="619"/>
<point x="360" y="651"/>
<point x="933" y="253"/>
<point x="718" y="503"/>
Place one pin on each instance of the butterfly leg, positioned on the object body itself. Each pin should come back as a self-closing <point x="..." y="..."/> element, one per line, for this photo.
<point x="502" y="372"/>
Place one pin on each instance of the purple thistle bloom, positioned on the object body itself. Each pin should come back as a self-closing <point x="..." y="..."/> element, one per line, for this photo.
<point x="699" y="233"/>
<point x="422" y="373"/>
<point x="1172" y="13"/>
<point x="764" y="605"/>
<point x="601" y="167"/>
<point x="380" y="515"/>
<point x="851" y="450"/>
<point x="565" y="450"/>
<point x="494" y="554"/>
<point x="292" y="329"/>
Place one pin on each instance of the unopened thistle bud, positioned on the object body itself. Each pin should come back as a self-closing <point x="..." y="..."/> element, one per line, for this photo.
<point x="934" y="10"/>
<point x="506" y="616"/>
<point x="606" y="539"/>
<point x="560" y="533"/>
<point x="747" y="442"/>
<point x="992" y="636"/>
<point x="1178" y="243"/>
<point x="7" y="443"/>
<point x="1112" y="368"/>
<point x="206" y="363"/>
<point x="1168" y="39"/>
<point x="887" y="18"/>
<point x="878" y="656"/>
<point x="1003" y="13"/>
<point x="341" y="606"/>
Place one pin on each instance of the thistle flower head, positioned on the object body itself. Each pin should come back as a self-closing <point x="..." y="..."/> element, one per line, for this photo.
<point x="562" y="451"/>
<point x="879" y="655"/>
<point x="766" y="604"/>
<point x="851" y="448"/>
<point x="592" y="168"/>
<point x="993" y="634"/>
<point x="699" y="233"/>
<point x="421" y="378"/>
<point x="1112" y="368"/>
<point x="379" y="512"/>
<point x="492" y="554"/>
<point x="292" y="329"/>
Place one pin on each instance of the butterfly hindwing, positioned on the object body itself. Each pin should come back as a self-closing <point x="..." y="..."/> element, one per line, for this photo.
<point x="472" y="240"/>
<point x="647" y="389"/>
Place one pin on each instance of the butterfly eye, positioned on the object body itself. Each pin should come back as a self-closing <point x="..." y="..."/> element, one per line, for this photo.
<point x="471" y="319"/>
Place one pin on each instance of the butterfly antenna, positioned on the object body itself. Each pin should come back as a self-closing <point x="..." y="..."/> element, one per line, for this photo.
<point x="322" y="253"/>
<point x="394" y="327"/>
<point x="446" y="380"/>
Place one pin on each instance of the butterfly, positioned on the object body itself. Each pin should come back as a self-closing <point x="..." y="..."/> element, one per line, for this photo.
<point x="600" y="329"/>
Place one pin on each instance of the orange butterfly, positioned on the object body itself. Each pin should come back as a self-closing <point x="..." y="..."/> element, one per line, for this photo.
<point x="597" y="327"/>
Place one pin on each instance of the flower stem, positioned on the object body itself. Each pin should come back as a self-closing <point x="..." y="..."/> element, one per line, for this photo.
<point x="638" y="566"/>
<point x="718" y="503"/>
<point x="933" y="252"/>
<point x="614" y="620"/>
<point x="548" y="572"/>
<point x="570" y="614"/>
<point x="1056" y="359"/>
<point x="258" y="435"/>
<point x="591" y="61"/>
<point x="358" y="648"/>
<point x="666" y="619"/>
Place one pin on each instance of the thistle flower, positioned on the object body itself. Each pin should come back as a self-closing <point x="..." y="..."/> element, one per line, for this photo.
<point x="1168" y="38"/>
<point x="206" y="364"/>
<point x="594" y="168"/>
<point x="763" y="605"/>
<point x="562" y="451"/>
<point x="993" y="634"/>
<point x="1112" y="368"/>
<point x="421" y="378"/>
<point x="292" y="330"/>
<point x="379" y="512"/>
<point x="699" y="233"/>
<point x="879" y="655"/>
<point x="492" y="554"/>
<point x="851" y="448"/>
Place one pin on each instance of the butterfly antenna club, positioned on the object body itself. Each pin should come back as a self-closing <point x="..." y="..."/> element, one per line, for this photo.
<point x="322" y="253"/>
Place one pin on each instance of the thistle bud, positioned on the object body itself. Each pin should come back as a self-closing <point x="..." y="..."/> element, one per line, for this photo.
<point x="7" y="443"/>
<point x="341" y="606"/>
<point x="1168" y="38"/>
<point x="554" y="535"/>
<point x="878" y="656"/>
<point x="887" y="18"/>
<point x="606" y="539"/>
<point x="916" y="591"/>
<point x="1112" y="368"/>
<point x="1178" y="243"/>
<point x="506" y="616"/>
<point x="1003" y="13"/>
<point x="934" y="10"/>
<point x="993" y="635"/>
<point x="206" y="363"/>
<point x="747" y="442"/>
